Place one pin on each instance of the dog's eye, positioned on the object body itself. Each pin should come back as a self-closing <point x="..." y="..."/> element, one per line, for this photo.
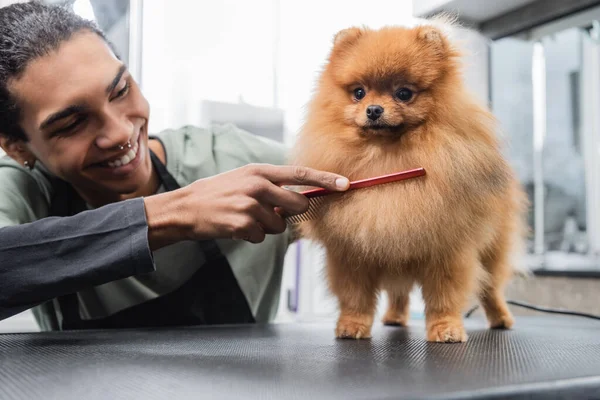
<point x="359" y="93"/>
<point x="404" y="94"/>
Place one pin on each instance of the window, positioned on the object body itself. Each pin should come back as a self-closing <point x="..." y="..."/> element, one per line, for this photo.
<point x="562" y="187"/>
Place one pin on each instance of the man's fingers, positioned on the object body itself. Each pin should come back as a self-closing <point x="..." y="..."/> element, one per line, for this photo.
<point x="291" y="202"/>
<point x="304" y="176"/>
<point x="270" y="221"/>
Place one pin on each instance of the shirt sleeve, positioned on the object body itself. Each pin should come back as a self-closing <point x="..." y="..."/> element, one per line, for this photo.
<point x="52" y="256"/>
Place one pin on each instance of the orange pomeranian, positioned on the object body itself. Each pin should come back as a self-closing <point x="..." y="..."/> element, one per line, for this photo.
<point x="391" y="100"/>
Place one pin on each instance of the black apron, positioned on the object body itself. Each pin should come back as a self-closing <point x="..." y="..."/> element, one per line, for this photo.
<point x="211" y="296"/>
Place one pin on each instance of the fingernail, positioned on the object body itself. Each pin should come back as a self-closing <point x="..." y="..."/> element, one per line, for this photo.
<point x="342" y="183"/>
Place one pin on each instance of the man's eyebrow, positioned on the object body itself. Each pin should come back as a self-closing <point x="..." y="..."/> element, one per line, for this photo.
<point x="67" y="112"/>
<point x="115" y="81"/>
<point x="78" y="109"/>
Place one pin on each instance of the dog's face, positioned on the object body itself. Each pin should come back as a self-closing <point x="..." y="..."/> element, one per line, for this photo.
<point x="382" y="82"/>
<point x="385" y="109"/>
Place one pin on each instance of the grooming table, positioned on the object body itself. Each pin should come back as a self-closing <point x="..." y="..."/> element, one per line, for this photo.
<point x="542" y="357"/>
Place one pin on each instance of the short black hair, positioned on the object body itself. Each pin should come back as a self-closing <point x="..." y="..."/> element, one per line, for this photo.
<point x="29" y="31"/>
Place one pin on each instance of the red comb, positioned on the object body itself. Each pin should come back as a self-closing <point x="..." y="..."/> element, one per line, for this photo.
<point x="315" y="195"/>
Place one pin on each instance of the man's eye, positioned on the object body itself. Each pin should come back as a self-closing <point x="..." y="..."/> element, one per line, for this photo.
<point x="122" y="92"/>
<point x="71" y="128"/>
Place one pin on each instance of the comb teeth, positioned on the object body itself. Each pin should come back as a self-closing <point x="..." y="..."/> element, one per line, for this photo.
<point x="314" y="208"/>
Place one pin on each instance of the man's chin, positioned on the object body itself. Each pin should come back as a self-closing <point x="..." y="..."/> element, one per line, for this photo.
<point x="104" y="185"/>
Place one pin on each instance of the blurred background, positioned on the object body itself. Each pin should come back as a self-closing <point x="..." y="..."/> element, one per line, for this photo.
<point x="254" y="63"/>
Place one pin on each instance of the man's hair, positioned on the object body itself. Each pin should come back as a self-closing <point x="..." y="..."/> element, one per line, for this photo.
<point x="29" y="31"/>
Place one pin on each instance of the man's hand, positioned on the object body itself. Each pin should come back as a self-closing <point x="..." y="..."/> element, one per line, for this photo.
<point x="239" y="204"/>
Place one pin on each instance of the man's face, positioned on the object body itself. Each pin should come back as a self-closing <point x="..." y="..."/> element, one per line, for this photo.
<point x="79" y="106"/>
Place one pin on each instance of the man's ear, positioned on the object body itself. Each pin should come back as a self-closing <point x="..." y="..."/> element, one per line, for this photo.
<point x="17" y="150"/>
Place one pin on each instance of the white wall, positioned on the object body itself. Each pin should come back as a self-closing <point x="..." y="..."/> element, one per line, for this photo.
<point x="194" y="51"/>
<point x="425" y="7"/>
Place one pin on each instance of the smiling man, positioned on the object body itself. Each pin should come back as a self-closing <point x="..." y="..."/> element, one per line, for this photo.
<point x="103" y="226"/>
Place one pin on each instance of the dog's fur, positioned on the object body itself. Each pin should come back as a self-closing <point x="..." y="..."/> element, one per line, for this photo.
<point x="452" y="231"/>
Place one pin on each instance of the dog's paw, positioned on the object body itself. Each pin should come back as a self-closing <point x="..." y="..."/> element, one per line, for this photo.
<point x="394" y="319"/>
<point x="446" y="332"/>
<point x="504" y="321"/>
<point x="352" y="329"/>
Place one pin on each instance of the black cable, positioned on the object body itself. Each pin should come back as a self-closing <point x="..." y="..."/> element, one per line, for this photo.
<point x="541" y="309"/>
<point x="471" y="311"/>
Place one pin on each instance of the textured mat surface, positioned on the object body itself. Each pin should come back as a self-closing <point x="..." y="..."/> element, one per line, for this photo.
<point x="541" y="358"/>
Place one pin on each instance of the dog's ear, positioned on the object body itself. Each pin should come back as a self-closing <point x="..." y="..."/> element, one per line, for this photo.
<point x="347" y="37"/>
<point x="433" y="38"/>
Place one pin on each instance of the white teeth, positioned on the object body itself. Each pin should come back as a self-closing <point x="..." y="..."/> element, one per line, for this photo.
<point x="126" y="159"/>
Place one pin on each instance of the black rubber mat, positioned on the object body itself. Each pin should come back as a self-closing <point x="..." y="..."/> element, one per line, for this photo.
<point x="541" y="358"/>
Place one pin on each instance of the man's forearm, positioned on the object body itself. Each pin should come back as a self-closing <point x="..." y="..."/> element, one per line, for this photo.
<point x="59" y="255"/>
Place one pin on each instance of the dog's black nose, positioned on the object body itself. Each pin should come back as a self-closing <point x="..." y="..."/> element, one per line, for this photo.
<point x="374" y="112"/>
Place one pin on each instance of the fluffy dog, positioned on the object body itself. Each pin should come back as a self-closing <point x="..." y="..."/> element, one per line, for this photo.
<point x="390" y="100"/>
